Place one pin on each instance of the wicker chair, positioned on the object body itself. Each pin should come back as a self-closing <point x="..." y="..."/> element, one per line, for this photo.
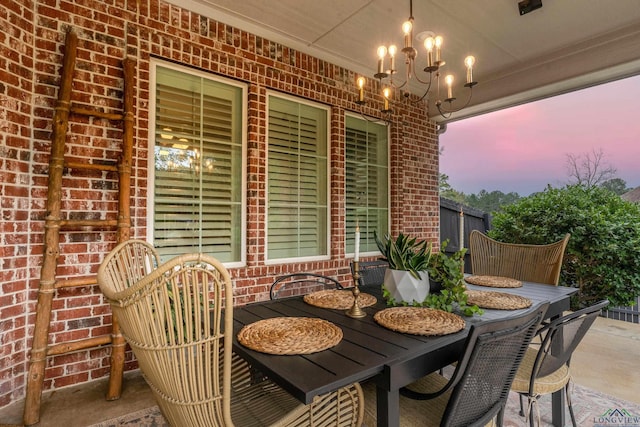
<point x="371" y="272"/>
<point x="301" y="283"/>
<point x="174" y="319"/>
<point x="479" y="387"/>
<point x="532" y="263"/>
<point x="129" y="262"/>
<point x="545" y="370"/>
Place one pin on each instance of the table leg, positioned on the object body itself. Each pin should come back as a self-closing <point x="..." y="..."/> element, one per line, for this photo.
<point x="558" y="398"/>
<point x="388" y="407"/>
<point x="557" y="408"/>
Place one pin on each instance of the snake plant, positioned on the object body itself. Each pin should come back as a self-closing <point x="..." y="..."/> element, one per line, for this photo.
<point x="405" y="253"/>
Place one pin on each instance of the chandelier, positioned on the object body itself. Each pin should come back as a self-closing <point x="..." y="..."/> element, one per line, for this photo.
<point x="432" y="65"/>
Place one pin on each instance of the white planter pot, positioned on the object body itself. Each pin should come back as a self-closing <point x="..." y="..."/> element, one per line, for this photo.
<point x="403" y="287"/>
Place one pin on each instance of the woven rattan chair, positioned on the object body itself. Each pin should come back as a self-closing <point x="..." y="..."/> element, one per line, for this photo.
<point x="546" y="370"/>
<point x="300" y="284"/>
<point x="478" y="389"/>
<point x="174" y="319"/>
<point x="129" y="262"/>
<point x="371" y="272"/>
<point x="531" y="263"/>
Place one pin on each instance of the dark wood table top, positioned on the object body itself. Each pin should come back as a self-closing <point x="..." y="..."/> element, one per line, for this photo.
<point x="367" y="349"/>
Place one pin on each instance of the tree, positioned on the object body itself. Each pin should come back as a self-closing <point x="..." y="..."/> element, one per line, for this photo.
<point x="491" y="201"/>
<point x="589" y="169"/>
<point x="448" y="192"/>
<point x="615" y="185"/>
<point x="602" y="257"/>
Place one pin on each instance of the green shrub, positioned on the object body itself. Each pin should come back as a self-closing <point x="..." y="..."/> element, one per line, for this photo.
<point x="603" y="254"/>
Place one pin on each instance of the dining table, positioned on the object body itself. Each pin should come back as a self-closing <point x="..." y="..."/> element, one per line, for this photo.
<point x="371" y="352"/>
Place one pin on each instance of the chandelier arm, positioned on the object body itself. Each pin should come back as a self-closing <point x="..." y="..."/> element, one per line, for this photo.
<point x="428" y="88"/>
<point x="386" y="120"/>
<point x="443" y="112"/>
<point x="424" y="82"/>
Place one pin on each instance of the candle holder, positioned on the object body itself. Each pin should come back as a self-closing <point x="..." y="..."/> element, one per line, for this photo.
<point x="355" y="311"/>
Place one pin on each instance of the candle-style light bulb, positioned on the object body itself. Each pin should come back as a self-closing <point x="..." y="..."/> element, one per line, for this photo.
<point x="392" y="55"/>
<point x="449" y="81"/>
<point x="429" y="42"/>
<point x="361" y="81"/>
<point x="382" y="52"/>
<point x="469" y="61"/>
<point x="407" y="26"/>
<point x="438" y="42"/>
<point x="386" y="93"/>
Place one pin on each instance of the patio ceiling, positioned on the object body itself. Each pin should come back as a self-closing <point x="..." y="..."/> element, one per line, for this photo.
<point x="563" y="46"/>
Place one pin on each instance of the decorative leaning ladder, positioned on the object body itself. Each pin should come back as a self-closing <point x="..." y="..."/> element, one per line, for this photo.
<point x="55" y="225"/>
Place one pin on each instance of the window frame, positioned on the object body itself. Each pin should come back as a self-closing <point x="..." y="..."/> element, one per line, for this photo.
<point x="154" y="64"/>
<point x="351" y="255"/>
<point x="327" y="109"/>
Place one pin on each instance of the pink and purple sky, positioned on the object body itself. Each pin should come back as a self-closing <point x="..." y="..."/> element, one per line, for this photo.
<point x="524" y="148"/>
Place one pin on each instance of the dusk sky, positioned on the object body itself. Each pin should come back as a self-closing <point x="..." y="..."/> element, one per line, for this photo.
<point x="524" y="148"/>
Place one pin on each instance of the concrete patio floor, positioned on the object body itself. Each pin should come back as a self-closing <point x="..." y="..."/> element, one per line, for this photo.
<point x="607" y="361"/>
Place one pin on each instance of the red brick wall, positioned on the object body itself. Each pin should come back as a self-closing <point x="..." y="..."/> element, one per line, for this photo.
<point x="32" y="47"/>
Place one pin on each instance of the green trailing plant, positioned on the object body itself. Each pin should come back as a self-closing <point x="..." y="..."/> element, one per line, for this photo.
<point x="448" y="271"/>
<point x="405" y="253"/>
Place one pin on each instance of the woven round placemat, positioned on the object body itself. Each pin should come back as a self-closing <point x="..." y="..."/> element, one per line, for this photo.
<point x="419" y="321"/>
<point x="497" y="300"/>
<point x="290" y="335"/>
<point x="339" y="299"/>
<point x="494" y="281"/>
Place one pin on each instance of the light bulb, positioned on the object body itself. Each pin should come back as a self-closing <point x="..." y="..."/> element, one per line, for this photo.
<point x="392" y="54"/>
<point x="449" y="81"/>
<point x="407" y="27"/>
<point x="361" y="81"/>
<point x="469" y="61"/>
<point x="438" y="43"/>
<point x="382" y="52"/>
<point x="386" y="92"/>
<point x="429" y="43"/>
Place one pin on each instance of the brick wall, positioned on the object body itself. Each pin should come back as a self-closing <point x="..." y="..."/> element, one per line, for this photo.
<point x="32" y="42"/>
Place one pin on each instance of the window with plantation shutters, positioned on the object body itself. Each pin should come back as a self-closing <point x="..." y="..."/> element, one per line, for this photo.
<point x="198" y="173"/>
<point x="367" y="182"/>
<point x="297" y="183"/>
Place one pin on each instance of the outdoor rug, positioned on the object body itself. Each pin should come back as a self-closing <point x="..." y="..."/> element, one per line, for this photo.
<point x="592" y="409"/>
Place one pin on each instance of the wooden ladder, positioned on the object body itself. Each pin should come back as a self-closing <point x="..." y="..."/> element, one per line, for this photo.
<point x="55" y="224"/>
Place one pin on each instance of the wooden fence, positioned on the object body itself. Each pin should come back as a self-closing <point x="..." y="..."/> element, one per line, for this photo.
<point x="453" y="218"/>
<point x="628" y="314"/>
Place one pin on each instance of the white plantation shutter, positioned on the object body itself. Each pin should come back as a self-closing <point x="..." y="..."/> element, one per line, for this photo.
<point x="367" y="182"/>
<point x="198" y="166"/>
<point x="297" y="180"/>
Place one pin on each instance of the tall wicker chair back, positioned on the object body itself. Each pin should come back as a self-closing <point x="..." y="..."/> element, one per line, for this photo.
<point x="371" y="272"/>
<point x="301" y="283"/>
<point x="478" y="389"/>
<point x="545" y="369"/>
<point x="532" y="263"/>
<point x="175" y="320"/>
<point x="129" y="262"/>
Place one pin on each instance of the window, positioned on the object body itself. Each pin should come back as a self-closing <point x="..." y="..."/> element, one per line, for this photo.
<point x="297" y="168"/>
<point x="367" y="182"/>
<point x="198" y="197"/>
